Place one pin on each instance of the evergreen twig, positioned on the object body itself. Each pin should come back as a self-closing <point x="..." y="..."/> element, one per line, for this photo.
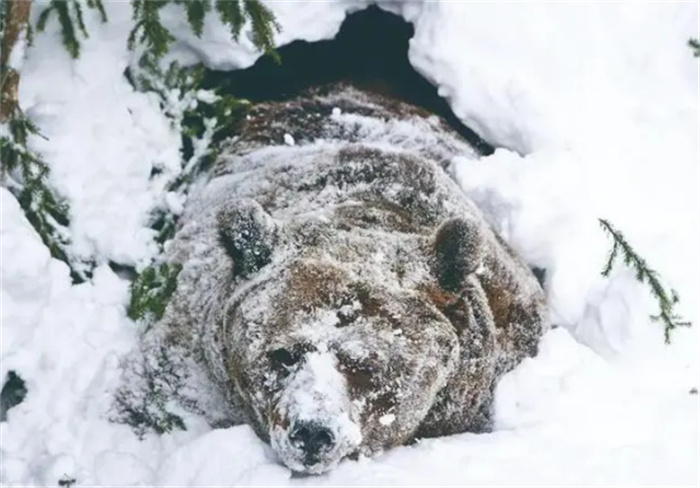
<point x="151" y="291"/>
<point x="264" y="26"/>
<point x="27" y="176"/>
<point x="203" y="118"/>
<point x="70" y="15"/>
<point x="23" y="170"/>
<point x="149" y="31"/>
<point x="199" y="115"/>
<point x="230" y="14"/>
<point x="644" y="274"/>
<point x="196" y="11"/>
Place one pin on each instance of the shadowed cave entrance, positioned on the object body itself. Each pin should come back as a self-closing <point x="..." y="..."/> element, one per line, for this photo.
<point x="370" y="51"/>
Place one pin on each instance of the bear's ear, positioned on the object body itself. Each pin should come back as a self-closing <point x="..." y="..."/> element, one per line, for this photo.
<point x="459" y="251"/>
<point x="249" y="234"/>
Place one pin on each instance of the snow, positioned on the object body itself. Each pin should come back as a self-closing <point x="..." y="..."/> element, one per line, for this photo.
<point x="387" y="419"/>
<point x="594" y="108"/>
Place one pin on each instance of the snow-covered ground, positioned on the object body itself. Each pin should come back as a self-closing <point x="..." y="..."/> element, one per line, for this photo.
<point x="595" y="107"/>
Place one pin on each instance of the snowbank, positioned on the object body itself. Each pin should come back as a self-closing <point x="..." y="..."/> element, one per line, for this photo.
<point x="595" y="109"/>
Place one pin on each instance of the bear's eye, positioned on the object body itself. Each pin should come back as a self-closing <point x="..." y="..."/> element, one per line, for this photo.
<point x="360" y="375"/>
<point x="283" y="357"/>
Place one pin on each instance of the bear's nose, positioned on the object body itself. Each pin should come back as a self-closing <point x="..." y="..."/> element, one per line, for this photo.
<point x="311" y="437"/>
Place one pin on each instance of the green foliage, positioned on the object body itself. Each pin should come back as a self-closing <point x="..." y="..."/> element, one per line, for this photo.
<point x="147" y="408"/>
<point x="27" y="177"/>
<point x="151" y="291"/>
<point x="644" y="274"/>
<point x="149" y="31"/>
<point x="203" y="117"/>
<point x="164" y="223"/>
<point x="264" y="25"/>
<point x="694" y="44"/>
<point x="70" y="16"/>
<point x="231" y="14"/>
<point x="195" y="13"/>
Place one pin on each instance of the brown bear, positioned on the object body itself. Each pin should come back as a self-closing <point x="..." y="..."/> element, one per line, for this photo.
<point x="339" y="292"/>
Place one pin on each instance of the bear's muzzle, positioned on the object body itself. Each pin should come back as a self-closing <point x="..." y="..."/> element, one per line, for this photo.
<point x="314" y="427"/>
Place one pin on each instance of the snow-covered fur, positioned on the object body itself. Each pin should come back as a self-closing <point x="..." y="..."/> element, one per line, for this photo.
<point x="339" y="293"/>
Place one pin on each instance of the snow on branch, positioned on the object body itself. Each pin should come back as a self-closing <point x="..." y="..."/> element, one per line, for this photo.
<point x="70" y="16"/>
<point x="149" y="31"/>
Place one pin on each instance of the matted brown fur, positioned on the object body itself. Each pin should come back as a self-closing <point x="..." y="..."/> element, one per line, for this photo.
<point x="350" y="269"/>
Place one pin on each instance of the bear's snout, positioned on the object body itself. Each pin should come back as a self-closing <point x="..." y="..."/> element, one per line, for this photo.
<point x="313" y="439"/>
<point x="313" y="425"/>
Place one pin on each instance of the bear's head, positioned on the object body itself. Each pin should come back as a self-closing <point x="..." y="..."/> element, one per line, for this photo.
<point x="332" y="356"/>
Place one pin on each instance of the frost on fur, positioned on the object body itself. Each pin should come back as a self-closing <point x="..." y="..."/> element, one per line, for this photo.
<point x="340" y="297"/>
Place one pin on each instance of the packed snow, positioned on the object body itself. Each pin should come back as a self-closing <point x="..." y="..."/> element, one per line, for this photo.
<point x="594" y="109"/>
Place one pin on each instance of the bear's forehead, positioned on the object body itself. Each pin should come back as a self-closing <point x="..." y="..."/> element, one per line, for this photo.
<point x="327" y="241"/>
<point x="350" y="293"/>
<point x="336" y="315"/>
<point x="321" y="329"/>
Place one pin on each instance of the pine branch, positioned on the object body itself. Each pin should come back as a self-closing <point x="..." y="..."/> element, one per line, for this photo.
<point x="149" y="31"/>
<point x="70" y="42"/>
<point x="153" y="35"/>
<point x="264" y="26"/>
<point x="196" y="11"/>
<point x="203" y="118"/>
<point x="644" y="274"/>
<point x="151" y="291"/>
<point x="97" y="4"/>
<point x="44" y="17"/>
<point x="79" y="18"/>
<point x="231" y="14"/>
<point x="69" y="21"/>
<point x="611" y="259"/>
<point x="29" y="175"/>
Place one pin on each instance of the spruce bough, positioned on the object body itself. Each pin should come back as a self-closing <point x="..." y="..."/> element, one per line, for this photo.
<point x="149" y="31"/>
<point x="151" y="291"/>
<point x="70" y="14"/>
<point x="26" y="176"/>
<point x="666" y="299"/>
